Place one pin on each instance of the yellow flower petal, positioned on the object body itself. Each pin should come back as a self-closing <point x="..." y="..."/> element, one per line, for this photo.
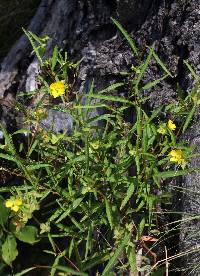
<point x="9" y="203"/>
<point x="57" y="89"/>
<point x="18" y="202"/>
<point x="15" y="208"/>
<point x="171" y="125"/>
<point x="177" y="156"/>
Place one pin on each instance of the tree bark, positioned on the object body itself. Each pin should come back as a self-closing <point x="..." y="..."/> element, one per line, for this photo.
<point x="84" y="29"/>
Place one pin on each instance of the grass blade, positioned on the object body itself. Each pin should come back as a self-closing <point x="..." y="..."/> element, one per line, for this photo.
<point x="110" y="98"/>
<point x="109" y="213"/>
<point x="25" y="271"/>
<point x="169" y="174"/>
<point x="154" y="83"/>
<point x="197" y="78"/>
<point x="145" y="66"/>
<point x="129" y="194"/>
<point x="111" y="87"/>
<point x="127" y="36"/>
<point x="189" y="118"/>
<point x="54" y="58"/>
<point x="116" y="255"/>
<point x="162" y="65"/>
<point x="71" y="271"/>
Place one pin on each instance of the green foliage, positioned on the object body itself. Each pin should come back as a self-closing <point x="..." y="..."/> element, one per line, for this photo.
<point x="9" y="250"/>
<point x="27" y="234"/>
<point x="92" y="187"/>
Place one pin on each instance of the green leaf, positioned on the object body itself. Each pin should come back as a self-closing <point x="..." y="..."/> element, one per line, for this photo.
<point x="70" y="209"/>
<point x="71" y="271"/>
<point x="99" y="259"/>
<point x="37" y="166"/>
<point x="22" y="131"/>
<point x="116" y="255"/>
<point x="110" y="98"/>
<point x="23" y="272"/>
<point x="174" y="173"/>
<point x="112" y="87"/>
<point x="56" y="263"/>
<point x="71" y="247"/>
<point x="129" y="194"/>
<point x="28" y="234"/>
<point x="100" y="117"/>
<point x="145" y="66"/>
<point x="54" y="58"/>
<point x="88" y="246"/>
<point x="4" y="212"/>
<point x="191" y="70"/>
<point x="8" y="157"/>
<point x="109" y="213"/>
<point x="32" y="148"/>
<point x="154" y="83"/>
<point x="87" y="161"/>
<point x="9" y="250"/>
<point x="89" y="106"/>
<point x="127" y="36"/>
<point x="189" y="118"/>
<point x="132" y="259"/>
<point x="162" y="65"/>
<point x="154" y="114"/>
<point x="36" y="48"/>
<point x="141" y="228"/>
<point x="8" y="140"/>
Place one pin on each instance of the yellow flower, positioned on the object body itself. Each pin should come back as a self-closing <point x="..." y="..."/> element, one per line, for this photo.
<point x="18" y="202"/>
<point x="162" y="129"/>
<point x="15" y="208"/>
<point x="9" y="203"/>
<point x="14" y="204"/>
<point x="177" y="157"/>
<point x="171" y="125"/>
<point x="57" y="89"/>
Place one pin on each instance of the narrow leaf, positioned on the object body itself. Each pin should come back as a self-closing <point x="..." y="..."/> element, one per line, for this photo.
<point x="126" y="35"/>
<point x="70" y="209"/>
<point x="25" y="271"/>
<point x="116" y="255"/>
<point x="174" y="173"/>
<point x="4" y="213"/>
<point x="129" y="194"/>
<point x="154" y="83"/>
<point x="112" y="87"/>
<point x="71" y="271"/>
<point x="110" y="98"/>
<point x="54" y="58"/>
<point x="132" y="259"/>
<point x="162" y="65"/>
<point x="109" y="213"/>
<point x="197" y="78"/>
<point x="189" y="118"/>
<point x="56" y="263"/>
<point x="145" y="66"/>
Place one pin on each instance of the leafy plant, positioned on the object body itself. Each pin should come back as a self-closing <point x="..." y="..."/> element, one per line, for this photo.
<point x="90" y="193"/>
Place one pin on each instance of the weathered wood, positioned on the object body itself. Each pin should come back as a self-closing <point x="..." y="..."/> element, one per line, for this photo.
<point x="10" y="66"/>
